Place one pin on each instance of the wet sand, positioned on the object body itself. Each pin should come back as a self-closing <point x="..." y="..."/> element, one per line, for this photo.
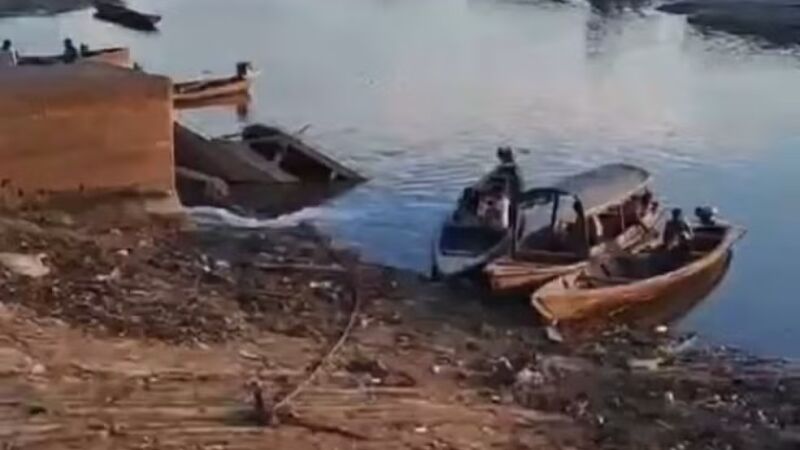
<point x="154" y="337"/>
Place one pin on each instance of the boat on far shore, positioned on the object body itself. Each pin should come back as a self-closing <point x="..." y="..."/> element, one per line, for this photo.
<point x="187" y="92"/>
<point x="122" y="15"/>
<point x="115" y="56"/>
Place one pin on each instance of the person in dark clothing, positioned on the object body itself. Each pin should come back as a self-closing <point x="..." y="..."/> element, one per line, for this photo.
<point x="509" y="168"/>
<point x="84" y="50"/>
<point x="70" y="52"/>
<point x="677" y="232"/>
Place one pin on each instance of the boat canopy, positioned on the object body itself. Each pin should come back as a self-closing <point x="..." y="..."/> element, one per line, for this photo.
<point x="596" y="189"/>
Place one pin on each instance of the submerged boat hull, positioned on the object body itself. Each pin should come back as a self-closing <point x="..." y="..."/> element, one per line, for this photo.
<point x="560" y="301"/>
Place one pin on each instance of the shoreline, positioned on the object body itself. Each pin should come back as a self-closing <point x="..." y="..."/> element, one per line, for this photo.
<point x="157" y="334"/>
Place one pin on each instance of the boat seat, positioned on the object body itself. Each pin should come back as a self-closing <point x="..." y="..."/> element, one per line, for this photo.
<point x="525" y="254"/>
<point x="611" y="279"/>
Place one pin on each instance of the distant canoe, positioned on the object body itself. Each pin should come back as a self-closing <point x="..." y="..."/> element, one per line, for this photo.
<point x="195" y="91"/>
<point x="119" y="14"/>
<point x="643" y="277"/>
<point x="115" y="56"/>
<point x="189" y="93"/>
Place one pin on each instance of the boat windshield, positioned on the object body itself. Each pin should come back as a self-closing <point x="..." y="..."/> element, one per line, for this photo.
<point x="469" y="240"/>
<point x="550" y="221"/>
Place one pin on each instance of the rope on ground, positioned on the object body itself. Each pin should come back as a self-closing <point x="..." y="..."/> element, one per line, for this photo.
<point x="356" y="297"/>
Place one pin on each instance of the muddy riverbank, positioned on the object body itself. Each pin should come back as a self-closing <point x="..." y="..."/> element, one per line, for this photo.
<point x="155" y="336"/>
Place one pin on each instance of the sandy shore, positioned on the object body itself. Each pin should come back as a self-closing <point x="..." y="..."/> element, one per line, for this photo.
<point x="158" y="337"/>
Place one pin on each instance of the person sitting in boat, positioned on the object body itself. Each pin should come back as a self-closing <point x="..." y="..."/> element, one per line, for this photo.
<point x="243" y="70"/>
<point x="84" y="50"/>
<point x="70" y="52"/>
<point x="8" y="56"/>
<point x="677" y="232"/>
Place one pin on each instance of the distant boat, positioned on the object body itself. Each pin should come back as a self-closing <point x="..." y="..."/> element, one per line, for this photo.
<point x="211" y="88"/>
<point x="560" y="228"/>
<point x="466" y="242"/>
<point x="627" y="279"/>
<point x="122" y="15"/>
<point x="115" y="56"/>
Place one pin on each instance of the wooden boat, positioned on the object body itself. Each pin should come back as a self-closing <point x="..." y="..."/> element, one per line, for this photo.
<point x="560" y="228"/>
<point x="466" y="241"/>
<point x="614" y="281"/>
<point x="122" y="15"/>
<point x="261" y="155"/>
<point x="202" y="90"/>
<point x="267" y="170"/>
<point x="115" y="56"/>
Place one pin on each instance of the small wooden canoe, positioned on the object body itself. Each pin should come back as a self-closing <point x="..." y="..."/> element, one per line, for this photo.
<point x="465" y="242"/>
<point x="115" y="56"/>
<point x="122" y="15"/>
<point x="199" y="90"/>
<point x="612" y="282"/>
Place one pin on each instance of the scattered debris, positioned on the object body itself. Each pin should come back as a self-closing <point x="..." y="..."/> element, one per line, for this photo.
<point x="645" y="364"/>
<point x="23" y="264"/>
<point x="553" y="334"/>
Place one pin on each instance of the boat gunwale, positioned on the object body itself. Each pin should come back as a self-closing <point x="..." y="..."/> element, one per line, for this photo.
<point x="555" y="288"/>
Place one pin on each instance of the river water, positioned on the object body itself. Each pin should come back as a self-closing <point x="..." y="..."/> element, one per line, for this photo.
<point x="417" y="94"/>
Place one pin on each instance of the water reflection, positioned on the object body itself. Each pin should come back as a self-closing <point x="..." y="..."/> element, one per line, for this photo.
<point x="12" y="8"/>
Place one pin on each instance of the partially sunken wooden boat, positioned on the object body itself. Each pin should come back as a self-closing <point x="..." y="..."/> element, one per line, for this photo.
<point x="115" y="56"/>
<point x="559" y="228"/>
<point x="122" y="15"/>
<point x="467" y="240"/>
<point x="646" y="276"/>
<point x="201" y="91"/>
<point x="267" y="170"/>
<point x="262" y="154"/>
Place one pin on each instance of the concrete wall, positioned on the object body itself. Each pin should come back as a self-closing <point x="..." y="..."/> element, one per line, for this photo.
<point x="85" y="128"/>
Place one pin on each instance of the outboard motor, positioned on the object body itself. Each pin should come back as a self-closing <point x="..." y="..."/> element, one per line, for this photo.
<point x="243" y="69"/>
<point x="706" y="215"/>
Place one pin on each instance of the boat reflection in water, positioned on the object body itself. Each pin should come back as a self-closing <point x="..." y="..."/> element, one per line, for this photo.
<point x="664" y="311"/>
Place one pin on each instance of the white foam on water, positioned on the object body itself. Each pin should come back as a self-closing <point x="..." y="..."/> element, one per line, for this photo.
<point x="213" y="217"/>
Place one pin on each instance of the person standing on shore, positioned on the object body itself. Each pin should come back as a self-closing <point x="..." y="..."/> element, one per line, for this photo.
<point x="8" y="56"/>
